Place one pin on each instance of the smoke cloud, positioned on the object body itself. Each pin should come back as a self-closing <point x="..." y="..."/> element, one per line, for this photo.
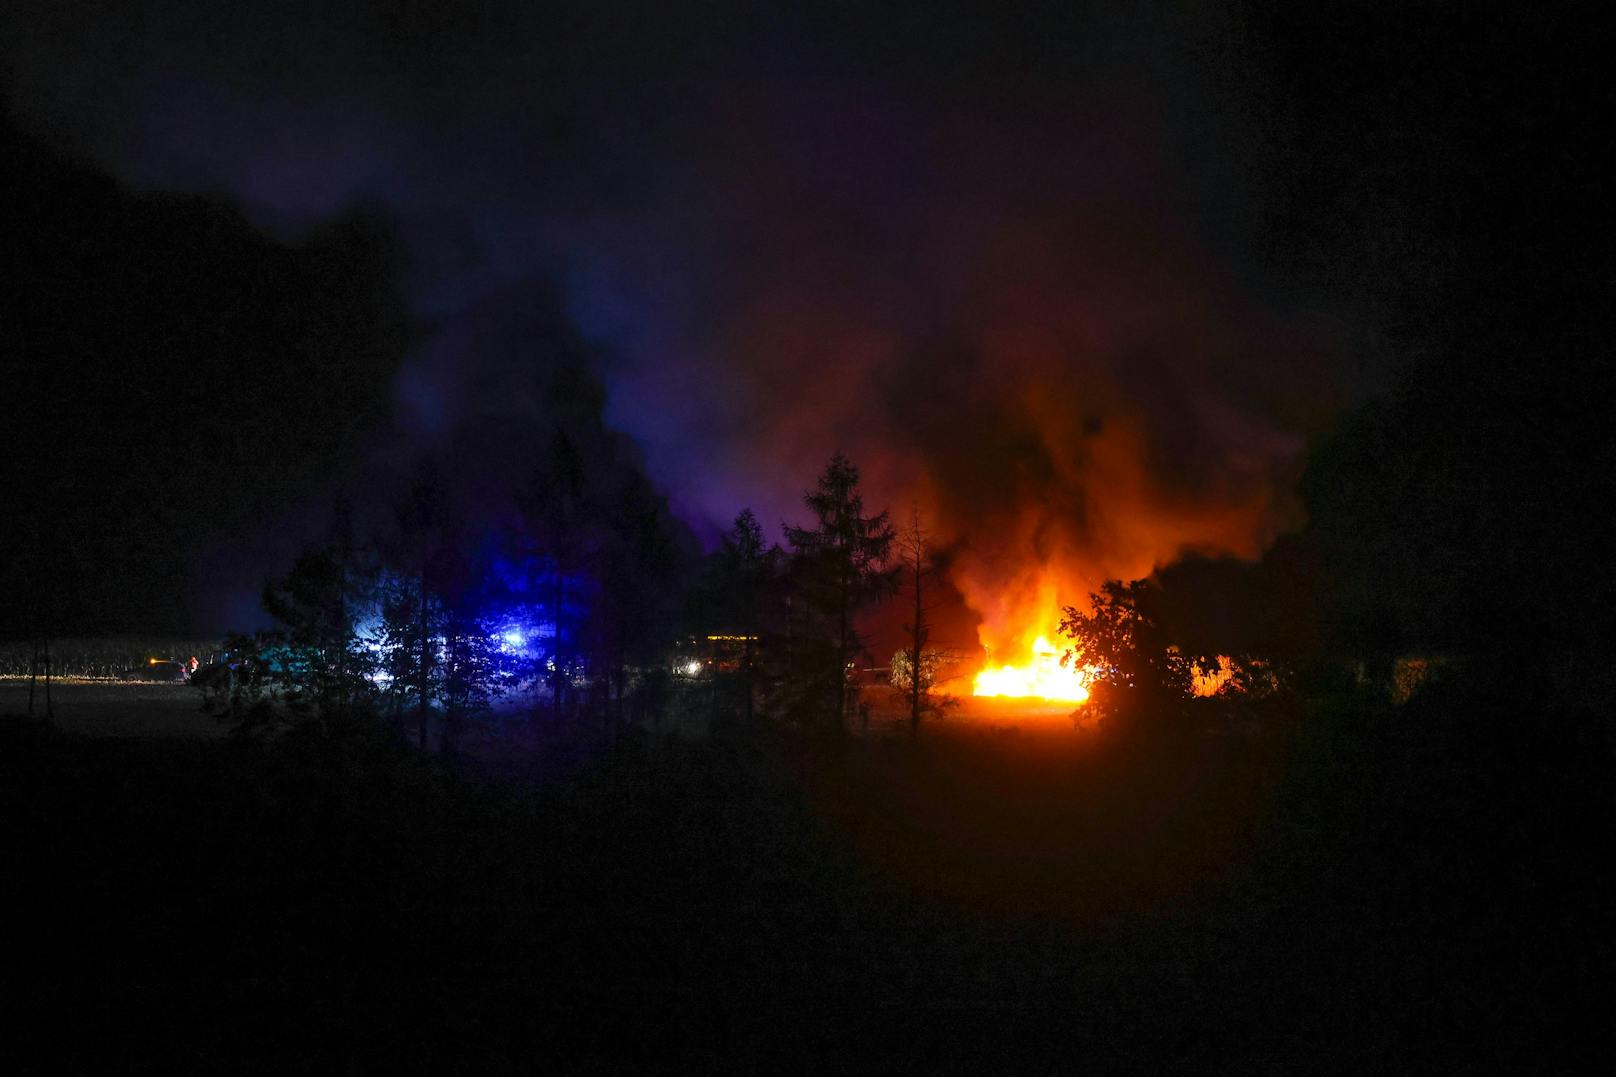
<point x="1001" y="265"/>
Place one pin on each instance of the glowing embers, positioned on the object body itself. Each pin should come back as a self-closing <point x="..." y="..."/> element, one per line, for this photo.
<point x="1044" y="677"/>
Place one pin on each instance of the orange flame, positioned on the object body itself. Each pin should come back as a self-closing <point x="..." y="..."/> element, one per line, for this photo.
<point x="1209" y="682"/>
<point x="1043" y="676"/>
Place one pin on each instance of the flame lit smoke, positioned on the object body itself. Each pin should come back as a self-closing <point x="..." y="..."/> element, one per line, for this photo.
<point x="1055" y="371"/>
<point x="1027" y="306"/>
<point x="1057" y="535"/>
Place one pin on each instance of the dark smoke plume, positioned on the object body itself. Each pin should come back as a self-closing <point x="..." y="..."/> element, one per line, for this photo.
<point x="1003" y="264"/>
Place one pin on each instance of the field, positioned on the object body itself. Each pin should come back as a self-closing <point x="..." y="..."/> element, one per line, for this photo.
<point x="1000" y="894"/>
<point x="105" y="708"/>
<point x="110" y="707"/>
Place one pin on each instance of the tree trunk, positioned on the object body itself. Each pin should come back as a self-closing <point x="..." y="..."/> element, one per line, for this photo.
<point x="841" y="652"/>
<point x="555" y="650"/>
<point x="914" y="657"/>
<point x="50" y="707"/>
<point x="621" y="679"/>
<point x="423" y="684"/>
<point x="747" y="672"/>
<point x="41" y="657"/>
<point x="342" y="634"/>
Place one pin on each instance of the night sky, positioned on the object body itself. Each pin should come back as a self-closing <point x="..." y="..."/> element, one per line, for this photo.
<point x="1082" y="285"/>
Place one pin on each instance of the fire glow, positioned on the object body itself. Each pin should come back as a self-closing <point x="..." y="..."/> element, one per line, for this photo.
<point x="1044" y="676"/>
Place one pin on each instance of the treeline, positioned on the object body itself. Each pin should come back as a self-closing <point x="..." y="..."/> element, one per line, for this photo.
<point x="1455" y="523"/>
<point x="105" y="658"/>
<point x="587" y="607"/>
